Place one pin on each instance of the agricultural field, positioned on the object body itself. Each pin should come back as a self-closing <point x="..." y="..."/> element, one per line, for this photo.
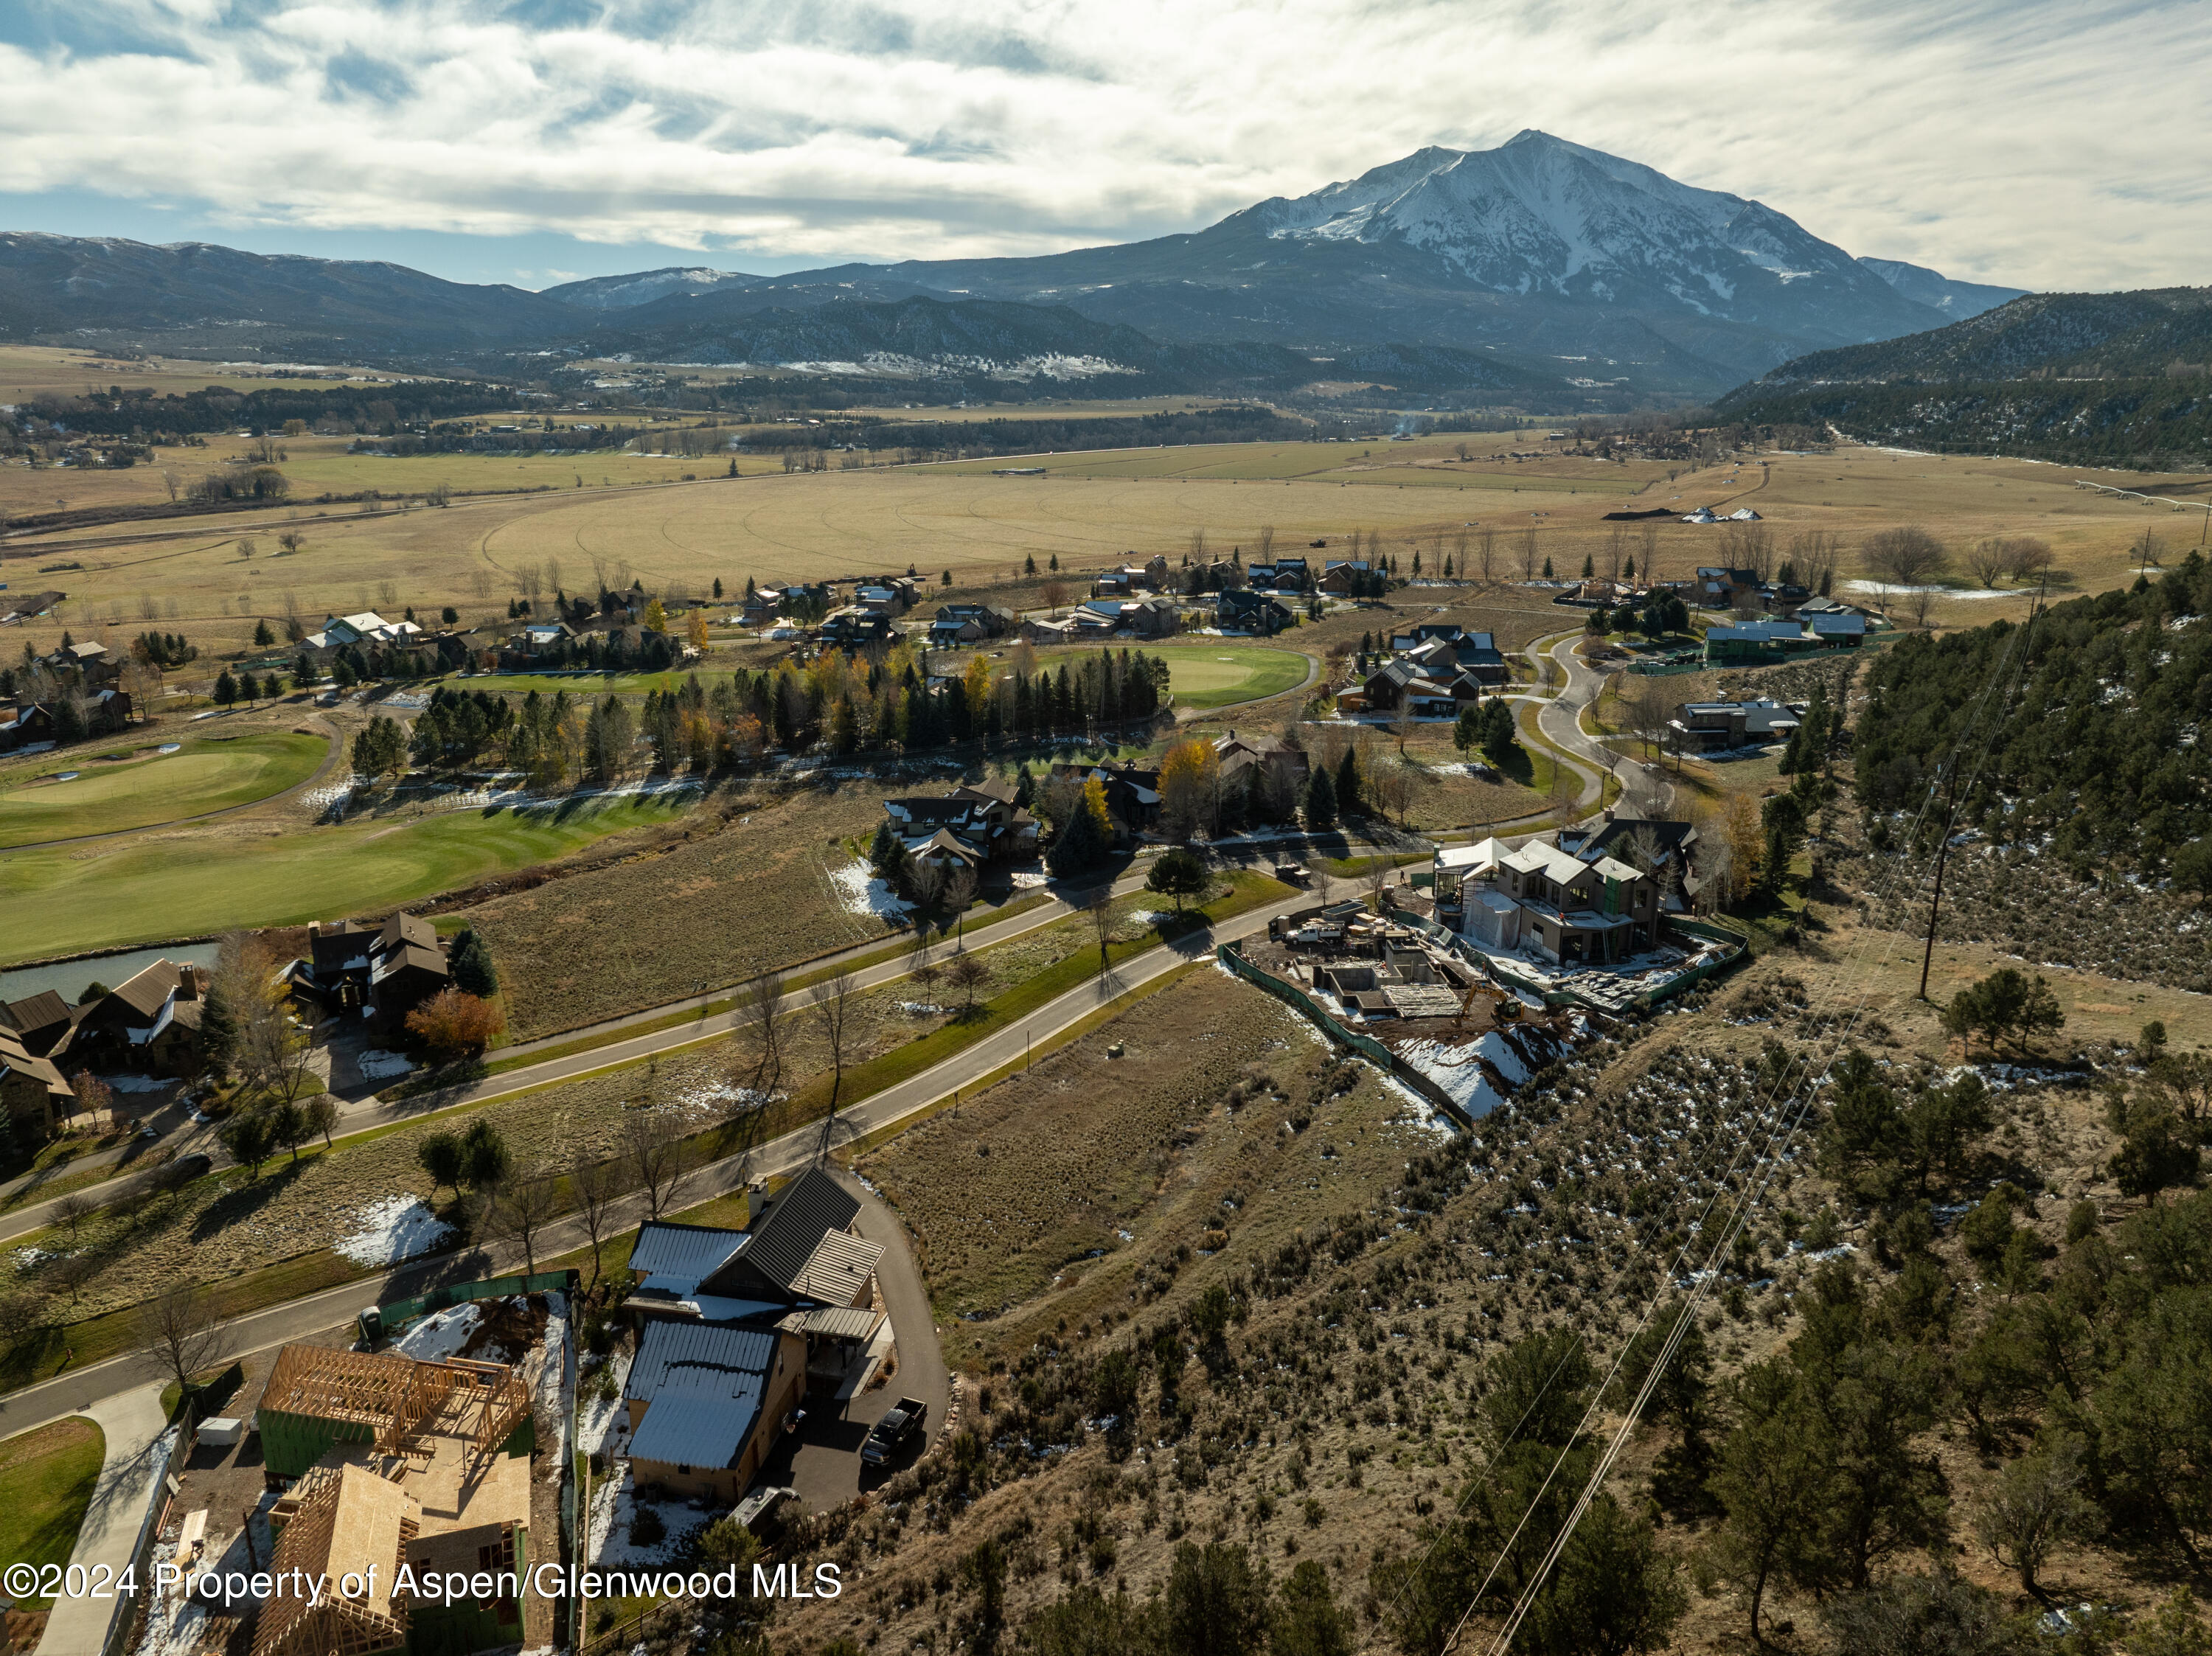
<point x="1211" y="674"/>
<point x="679" y="537"/>
<point x="250" y="871"/>
<point x="31" y="371"/>
<point x="117" y="788"/>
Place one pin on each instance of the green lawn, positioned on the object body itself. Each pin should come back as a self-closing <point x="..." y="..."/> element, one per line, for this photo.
<point x="1211" y="675"/>
<point x="75" y="898"/>
<point x="47" y="1479"/>
<point x="210" y="773"/>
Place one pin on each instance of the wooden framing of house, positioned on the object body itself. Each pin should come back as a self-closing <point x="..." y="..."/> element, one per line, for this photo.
<point x="346" y="1522"/>
<point x="398" y="1399"/>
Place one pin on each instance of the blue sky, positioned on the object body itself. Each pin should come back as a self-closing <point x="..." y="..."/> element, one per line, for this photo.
<point x="534" y="141"/>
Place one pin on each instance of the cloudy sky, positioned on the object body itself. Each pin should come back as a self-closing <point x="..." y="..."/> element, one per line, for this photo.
<point x="2051" y="146"/>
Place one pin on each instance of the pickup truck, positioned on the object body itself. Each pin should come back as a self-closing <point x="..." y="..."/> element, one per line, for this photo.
<point x="901" y="1427"/>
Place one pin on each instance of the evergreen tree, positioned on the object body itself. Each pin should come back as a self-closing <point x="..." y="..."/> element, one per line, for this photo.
<point x="1320" y="799"/>
<point x="262" y="636"/>
<point x="473" y="971"/>
<point x="1349" y="791"/>
<point x="1080" y="845"/>
<point x="226" y="689"/>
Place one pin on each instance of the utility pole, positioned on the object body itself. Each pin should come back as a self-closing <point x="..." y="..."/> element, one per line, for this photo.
<point x="1951" y="795"/>
<point x="1943" y="851"/>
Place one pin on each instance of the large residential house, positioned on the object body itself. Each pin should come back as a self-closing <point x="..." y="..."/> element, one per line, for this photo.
<point x="1753" y="642"/>
<point x="1133" y="796"/>
<point x="968" y="623"/>
<point x="95" y="661"/>
<point x="1404" y="684"/>
<point x="1240" y="610"/>
<point x="1549" y="901"/>
<point x="1155" y="617"/>
<point x="33" y="1093"/>
<point x="1337" y="574"/>
<point x="736" y="1326"/>
<point x="1236" y="754"/>
<point x="150" y="1023"/>
<point x="26" y="726"/>
<point x="1725" y="589"/>
<point x="853" y="628"/>
<point x="379" y="972"/>
<point x="980" y="820"/>
<point x="1442" y="652"/>
<point x="368" y="627"/>
<point x="1722" y="726"/>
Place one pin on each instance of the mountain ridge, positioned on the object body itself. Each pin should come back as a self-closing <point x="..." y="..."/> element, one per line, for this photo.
<point x="2099" y="379"/>
<point x="1558" y="264"/>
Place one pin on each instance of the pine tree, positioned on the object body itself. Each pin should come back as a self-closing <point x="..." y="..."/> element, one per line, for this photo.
<point x="1320" y="799"/>
<point x="1079" y="845"/>
<point x="226" y="689"/>
<point x="1348" y="790"/>
<point x="262" y="636"/>
<point x="472" y="968"/>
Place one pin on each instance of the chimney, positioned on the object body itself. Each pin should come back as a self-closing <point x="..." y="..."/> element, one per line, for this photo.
<point x="188" y="982"/>
<point x="756" y="1203"/>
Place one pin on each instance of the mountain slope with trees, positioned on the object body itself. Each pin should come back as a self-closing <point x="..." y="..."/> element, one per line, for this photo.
<point x="2096" y="379"/>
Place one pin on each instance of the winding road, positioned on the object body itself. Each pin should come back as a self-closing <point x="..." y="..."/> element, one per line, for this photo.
<point x="319" y="1314"/>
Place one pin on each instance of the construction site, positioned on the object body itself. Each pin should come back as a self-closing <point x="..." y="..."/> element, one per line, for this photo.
<point x="1385" y="985"/>
<point x="369" y="1470"/>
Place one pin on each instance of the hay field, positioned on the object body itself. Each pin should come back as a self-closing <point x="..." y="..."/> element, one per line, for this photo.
<point x="30" y="371"/>
<point x="780" y="526"/>
<point x="209" y="774"/>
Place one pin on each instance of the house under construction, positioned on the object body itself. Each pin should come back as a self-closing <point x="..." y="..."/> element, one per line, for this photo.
<point x="400" y="1460"/>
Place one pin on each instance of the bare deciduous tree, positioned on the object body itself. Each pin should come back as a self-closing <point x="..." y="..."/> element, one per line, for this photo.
<point x="1266" y="544"/>
<point x="1098" y="910"/>
<point x="522" y="1208"/>
<point x="652" y="1142"/>
<point x="1486" y="542"/>
<point x="1527" y="554"/>
<point x="1906" y="556"/>
<point x="1987" y="560"/>
<point x="966" y="973"/>
<point x="759" y="1003"/>
<point x="179" y="1331"/>
<point x="831" y="1002"/>
<point x="593" y="1183"/>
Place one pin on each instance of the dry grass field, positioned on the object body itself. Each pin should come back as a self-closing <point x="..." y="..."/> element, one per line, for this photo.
<point x="1091" y="511"/>
<point x="30" y="371"/>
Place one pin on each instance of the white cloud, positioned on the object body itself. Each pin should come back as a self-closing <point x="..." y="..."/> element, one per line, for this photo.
<point x="2035" y="143"/>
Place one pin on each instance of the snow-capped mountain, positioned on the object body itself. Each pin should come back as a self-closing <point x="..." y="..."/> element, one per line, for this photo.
<point x="1551" y="254"/>
<point x="618" y="293"/>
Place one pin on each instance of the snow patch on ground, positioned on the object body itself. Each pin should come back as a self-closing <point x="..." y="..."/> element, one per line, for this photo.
<point x="1883" y="590"/>
<point x="599" y="1415"/>
<point x="377" y="1065"/>
<point x="1457" y="1071"/>
<point x="395" y="1228"/>
<point x="138" y="1083"/>
<point x="861" y="893"/>
<point x="443" y="1333"/>
<point x="723" y="1098"/>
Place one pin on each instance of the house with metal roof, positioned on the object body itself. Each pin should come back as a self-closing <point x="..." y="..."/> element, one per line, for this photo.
<point x="705" y="1404"/>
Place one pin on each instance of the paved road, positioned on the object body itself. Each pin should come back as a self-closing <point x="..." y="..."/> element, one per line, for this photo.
<point x="317" y="1313"/>
<point x="1560" y="719"/>
<point x="132" y="1423"/>
<point x="356" y="1115"/>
